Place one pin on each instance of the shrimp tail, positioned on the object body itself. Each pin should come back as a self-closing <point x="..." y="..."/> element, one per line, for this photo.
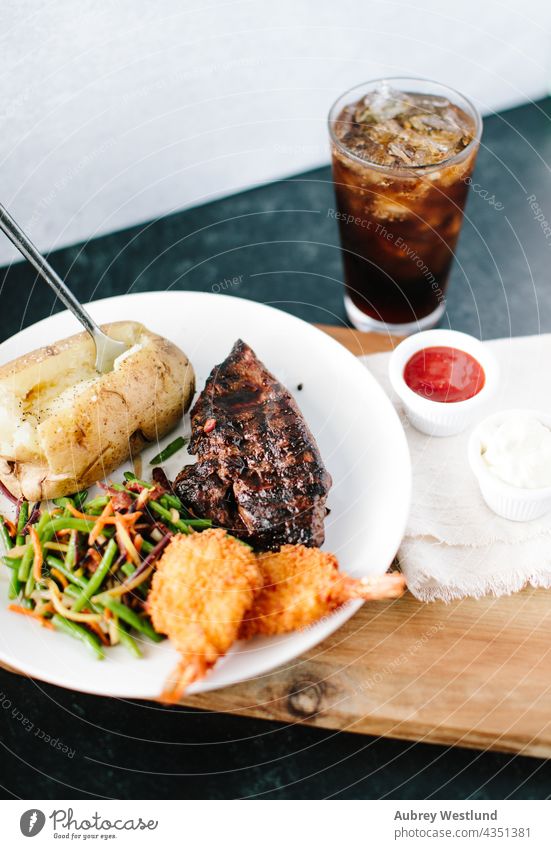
<point x="186" y="673"/>
<point x="390" y="585"/>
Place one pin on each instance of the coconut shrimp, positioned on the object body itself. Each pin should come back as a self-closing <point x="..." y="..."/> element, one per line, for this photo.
<point x="301" y="585"/>
<point x="203" y="586"/>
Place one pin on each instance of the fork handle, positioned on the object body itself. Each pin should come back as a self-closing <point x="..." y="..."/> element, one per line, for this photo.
<point x="23" y="244"/>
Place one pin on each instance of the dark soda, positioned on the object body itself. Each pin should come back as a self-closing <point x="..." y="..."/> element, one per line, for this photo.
<point x="401" y="167"/>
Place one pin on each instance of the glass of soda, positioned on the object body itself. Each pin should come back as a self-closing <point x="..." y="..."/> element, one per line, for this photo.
<point x="403" y="152"/>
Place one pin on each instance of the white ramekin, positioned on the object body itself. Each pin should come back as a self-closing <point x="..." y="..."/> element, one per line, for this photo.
<point x="436" y="417"/>
<point x="511" y="502"/>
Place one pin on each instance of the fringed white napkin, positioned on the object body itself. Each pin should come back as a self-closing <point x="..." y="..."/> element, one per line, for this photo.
<point x="454" y="545"/>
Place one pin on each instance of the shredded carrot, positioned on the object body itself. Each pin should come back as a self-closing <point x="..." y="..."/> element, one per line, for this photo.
<point x="16" y="608"/>
<point x="38" y="558"/>
<point x="61" y="578"/>
<point x="138" y="542"/>
<point x="78" y="515"/>
<point x="107" y="614"/>
<point x="129" y="518"/>
<point x="11" y="527"/>
<point x="98" y="527"/>
<point x="125" y="543"/>
<point x="97" y="630"/>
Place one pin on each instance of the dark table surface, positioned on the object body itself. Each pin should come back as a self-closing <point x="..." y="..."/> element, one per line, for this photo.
<point x="278" y="244"/>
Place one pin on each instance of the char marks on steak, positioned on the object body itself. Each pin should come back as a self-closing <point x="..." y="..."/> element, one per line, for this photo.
<point x="259" y="471"/>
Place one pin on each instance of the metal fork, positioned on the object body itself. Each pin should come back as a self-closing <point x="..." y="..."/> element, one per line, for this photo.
<point x="107" y="349"/>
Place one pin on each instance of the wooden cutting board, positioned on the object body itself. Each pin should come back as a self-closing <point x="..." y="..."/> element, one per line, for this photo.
<point x="471" y="673"/>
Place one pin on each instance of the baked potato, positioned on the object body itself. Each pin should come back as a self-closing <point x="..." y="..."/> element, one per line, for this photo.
<point x="63" y="426"/>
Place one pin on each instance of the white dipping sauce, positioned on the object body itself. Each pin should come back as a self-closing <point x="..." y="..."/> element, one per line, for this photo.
<point x="518" y="452"/>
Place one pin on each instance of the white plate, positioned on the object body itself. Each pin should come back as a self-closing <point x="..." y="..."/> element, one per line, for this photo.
<point x="360" y="438"/>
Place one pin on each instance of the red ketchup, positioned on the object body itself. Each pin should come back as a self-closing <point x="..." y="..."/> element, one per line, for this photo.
<point x="444" y="374"/>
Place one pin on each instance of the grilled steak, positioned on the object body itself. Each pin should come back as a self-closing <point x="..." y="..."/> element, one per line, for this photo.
<point x="259" y="471"/>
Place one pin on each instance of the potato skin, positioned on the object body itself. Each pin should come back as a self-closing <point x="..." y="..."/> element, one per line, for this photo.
<point x="109" y="421"/>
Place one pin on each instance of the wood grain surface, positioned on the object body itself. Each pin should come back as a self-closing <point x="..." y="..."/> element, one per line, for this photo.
<point x="470" y="673"/>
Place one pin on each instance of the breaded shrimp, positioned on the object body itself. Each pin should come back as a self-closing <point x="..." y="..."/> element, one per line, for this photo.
<point x="203" y="586"/>
<point x="300" y="585"/>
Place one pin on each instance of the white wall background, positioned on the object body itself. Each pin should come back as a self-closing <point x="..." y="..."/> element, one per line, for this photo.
<point x="116" y="112"/>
